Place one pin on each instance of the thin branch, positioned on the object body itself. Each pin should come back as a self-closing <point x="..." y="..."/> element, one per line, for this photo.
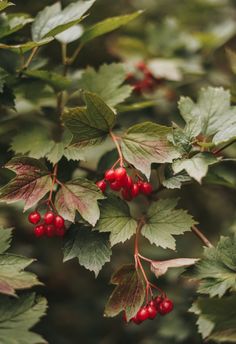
<point x="114" y="139"/>
<point x="201" y="236"/>
<point x="216" y="152"/>
<point x="30" y="58"/>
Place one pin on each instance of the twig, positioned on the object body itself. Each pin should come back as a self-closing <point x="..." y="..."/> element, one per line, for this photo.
<point x="201" y="236"/>
<point x="224" y="147"/>
<point x="28" y="62"/>
<point x="114" y="139"/>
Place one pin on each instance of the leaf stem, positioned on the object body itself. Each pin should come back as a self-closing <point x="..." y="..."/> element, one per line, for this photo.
<point x="201" y="236"/>
<point x="114" y="139"/>
<point x="30" y="58"/>
<point x="216" y="152"/>
<point x="54" y="181"/>
<point x="72" y="59"/>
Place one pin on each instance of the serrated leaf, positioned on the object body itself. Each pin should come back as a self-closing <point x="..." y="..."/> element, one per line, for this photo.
<point x="106" y="83"/>
<point x="70" y="35"/>
<point x="12" y="23"/>
<point x="4" y="4"/>
<point x="146" y="143"/>
<point x="55" y="80"/>
<point x="31" y="183"/>
<point x="175" y="182"/>
<point x="89" y="125"/>
<point x="216" y="318"/>
<point x="129" y="293"/>
<point x="163" y="222"/>
<point x="197" y="166"/>
<point x="90" y="247"/>
<point x="52" y="20"/>
<point x="106" y="26"/>
<point x="160" y="268"/>
<point x="79" y="195"/>
<point x="115" y="219"/>
<point x="5" y="238"/>
<point x="18" y="316"/>
<point x="216" y="271"/>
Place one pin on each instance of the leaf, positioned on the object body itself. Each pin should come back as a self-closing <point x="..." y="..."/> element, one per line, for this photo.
<point x="197" y="166"/>
<point x="12" y="23"/>
<point x="175" y="182"/>
<point x="163" y="221"/>
<point x="89" y="125"/>
<point x="129" y="293"/>
<point x="106" y="83"/>
<point x="31" y="183"/>
<point x="5" y="238"/>
<point x="4" y="4"/>
<point x="146" y="143"/>
<point x="221" y="175"/>
<point x="90" y="247"/>
<point x="232" y="59"/>
<point x="55" y="80"/>
<point x="160" y="268"/>
<point x="216" y="271"/>
<point x="216" y="318"/>
<point x="106" y="26"/>
<point x="3" y="76"/>
<point x="18" y="316"/>
<point x="52" y="20"/>
<point x="70" y="35"/>
<point x="115" y="219"/>
<point x="79" y="195"/>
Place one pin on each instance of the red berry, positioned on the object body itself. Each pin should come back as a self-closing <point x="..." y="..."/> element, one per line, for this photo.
<point x="49" y="217"/>
<point x="152" y="311"/>
<point x="166" y="306"/>
<point x="39" y="231"/>
<point x="128" y="182"/>
<point x="101" y="184"/>
<point x="152" y="303"/>
<point x="141" y="66"/>
<point x="143" y="314"/>
<point x="34" y="217"/>
<point x="50" y="231"/>
<point x="60" y="231"/>
<point x="158" y="300"/>
<point x="110" y="175"/>
<point x="120" y="174"/>
<point x="116" y="185"/>
<point x="135" y="190"/>
<point x="146" y="188"/>
<point x="136" y="320"/>
<point x="59" y="222"/>
<point x="126" y="194"/>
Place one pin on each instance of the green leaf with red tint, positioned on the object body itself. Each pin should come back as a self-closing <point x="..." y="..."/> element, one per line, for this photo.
<point x="79" y="195"/>
<point x="31" y="183"/>
<point x="129" y="293"/>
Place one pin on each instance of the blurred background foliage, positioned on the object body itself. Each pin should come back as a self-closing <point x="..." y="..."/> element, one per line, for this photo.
<point x="189" y="38"/>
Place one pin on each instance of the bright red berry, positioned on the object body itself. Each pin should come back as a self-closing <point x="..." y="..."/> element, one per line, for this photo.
<point x="134" y="190"/>
<point x="101" y="184"/>
<point x="116" y="185"/>
<point x="120" y="173"/>
<point x="34" y="217"/>
<point x="152" y="303"/>
<point x="166" y="306"/>
<point x="158" y="300"/>
<point x="136" y="320"/>
<point x="39" y="231"/>
<point x="60" y="231"/>
<point x="128" y="182"/>
<point x="49" y="217"/>
<point x="110" y="175"/>
<point x="143" y="314"/>
<point x="126" y="194"/>
<point x="50" y="231"/>
<point x="146" y="188"/>
<point x="59" y="222"/>
<point x="152" y="311"/>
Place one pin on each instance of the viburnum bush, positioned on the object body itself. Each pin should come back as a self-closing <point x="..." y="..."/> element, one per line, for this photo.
<point x="78" y="118"/>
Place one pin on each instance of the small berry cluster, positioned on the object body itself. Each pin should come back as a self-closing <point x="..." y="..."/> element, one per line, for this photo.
<point x="118" y="179"/>
<point x="52" y="224"/>
<point x="159" y="305"/>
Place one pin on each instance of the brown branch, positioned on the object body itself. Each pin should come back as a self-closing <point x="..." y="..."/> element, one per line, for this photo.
<point x="201" y="236"/>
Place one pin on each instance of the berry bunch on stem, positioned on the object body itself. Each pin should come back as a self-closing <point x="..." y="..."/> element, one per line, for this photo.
<point x="51" y="224"/>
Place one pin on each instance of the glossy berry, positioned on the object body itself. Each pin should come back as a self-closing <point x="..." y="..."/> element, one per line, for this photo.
<point x="50" y="231"/>
<point x="59" y="231"/>
<point x="146" y="188"/>
<point x="126" y="194"/>
<point x="39" y="231"/>
<point x="59" y="222"/>
<point x="110" y="175"/>
<point x="152" y="311"/>
<point x="143" y="314"/>
<point x="134" y="190"/>
<point x="49" y="217"/>
<point x="136" y="320"/>
<point x="101" y="184"/>
<point x="120" y="174"/>
<point x="128" y="183"/>
<point x="116" y="185"/>
<point x="34" y="217"/>
<point x="165" y="307"/>
<point x="158" y="300"/>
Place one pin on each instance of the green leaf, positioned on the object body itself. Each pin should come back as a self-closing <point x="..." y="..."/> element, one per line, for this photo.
<point x="216" y="318"/>
<point x="90" y="247"/>
<point x="89" y="125"/>
<point x="31" y="183"/>
<point x="175" y="182"/>
<point x="115" y="219"/>
<point x="3" y="76"/>
<point x="146" y="143"/>
<point x="197" y="166"/>
<point x="221" y="175"/>
<point x="55" y="80"/>
<point x="52" y="20"/>
<point x="13" y="22"/>
<point x="129" y="293"/>
<point x="24" y="47"/>
<point x="70" y="35"/>
<point x="216" y="271"/>
<point x="79" y="195"/>
<point x="106" y="26"/>
<point x="163" y="222"/>
<point x="5" y="238"/>
<point x="4" y="4"/>
<point x="106" y="83"/>
<point x="18" y="316"/>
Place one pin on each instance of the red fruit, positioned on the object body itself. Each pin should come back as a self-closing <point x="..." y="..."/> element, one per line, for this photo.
<point x="116" y="185"/>
<point x="49" y="217"/>
<point x="60" y="231"/>
<point x="143" y="314"/>
<point x="39" y="231"/>
<point x="158" y="300"/>
<point x="50" y="231"/>
<point x="152" y="303"/>
<point x="110" y="175"/>
<point x="59" y="222"/>
<point x="136" y="320"/>
<point x="166" y="306"/>
<point x="142" y="66"/>
<point x="120" y="174"/>
<point x="152" y="311"/>
<point x="146" y="188"/>
<point x="34" y="217"/>
<point x="101" y="184"/>
<point x="134" y="190"/>
<point x="128" y="182"/>
<point x="126" y="194"/>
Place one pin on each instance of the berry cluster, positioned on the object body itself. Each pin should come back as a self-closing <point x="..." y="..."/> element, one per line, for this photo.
<point x="159" y="305"/>
<point x="119" y="180"/>
<point x="52" y="224"/>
